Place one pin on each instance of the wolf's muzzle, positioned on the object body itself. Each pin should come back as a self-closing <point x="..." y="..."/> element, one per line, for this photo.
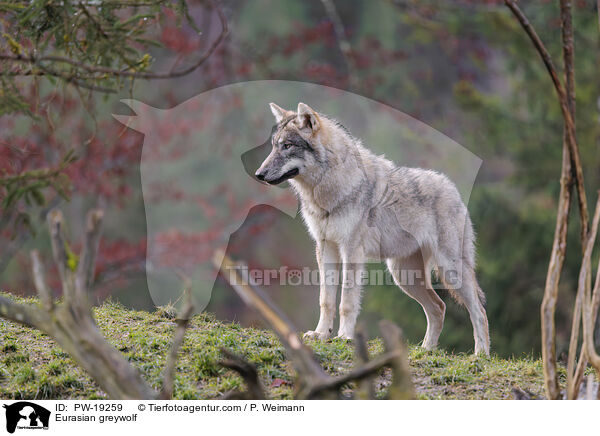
<point x="262" y="176"/>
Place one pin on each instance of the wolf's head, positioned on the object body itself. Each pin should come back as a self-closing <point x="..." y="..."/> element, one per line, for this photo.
<point x="297" y="145"/>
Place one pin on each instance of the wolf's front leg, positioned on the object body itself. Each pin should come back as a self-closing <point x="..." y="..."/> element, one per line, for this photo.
<point x="328" y="260"/>
<point x="352" y="277"/>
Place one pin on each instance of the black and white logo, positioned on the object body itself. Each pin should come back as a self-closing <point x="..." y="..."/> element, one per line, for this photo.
<point x="26" y="415"/>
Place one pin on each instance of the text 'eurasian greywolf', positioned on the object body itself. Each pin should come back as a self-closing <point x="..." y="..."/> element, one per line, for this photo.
<point x="359" y="206"/>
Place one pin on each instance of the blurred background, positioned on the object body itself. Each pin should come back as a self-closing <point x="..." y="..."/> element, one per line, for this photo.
<point x="463" y="67"/>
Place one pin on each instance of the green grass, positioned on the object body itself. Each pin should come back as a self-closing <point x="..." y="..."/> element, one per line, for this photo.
<point x="32" y="366"/>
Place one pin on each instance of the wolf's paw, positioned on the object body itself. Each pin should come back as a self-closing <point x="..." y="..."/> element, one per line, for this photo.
<point x="312" y="334"/>
<point x="345" y="337"/>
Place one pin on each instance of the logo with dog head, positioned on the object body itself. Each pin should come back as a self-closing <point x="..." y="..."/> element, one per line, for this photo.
<point x="26" y="415"/>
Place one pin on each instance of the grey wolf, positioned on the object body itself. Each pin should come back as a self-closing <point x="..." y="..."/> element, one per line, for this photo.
<point x="359" y="206"/>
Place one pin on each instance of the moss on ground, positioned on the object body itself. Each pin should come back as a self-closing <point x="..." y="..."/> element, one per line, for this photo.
<point x="32" y="366"/>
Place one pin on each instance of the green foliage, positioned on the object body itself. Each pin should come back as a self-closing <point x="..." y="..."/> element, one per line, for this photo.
<point x="11" y="100"/>
<point x="95" y="45"/>
<point x="72" y="258"/>
<point x="28" y="185"/>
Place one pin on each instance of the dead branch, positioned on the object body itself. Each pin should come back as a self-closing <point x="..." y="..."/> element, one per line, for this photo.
<point x="361" y="372"/>
<point x="365" y="388"/>
<point x="39" y="282"/>
<point x="571" y="165"/>
<point x="569" y="80"/>
<point x="71" y="323"/>
<point x="182" y="321"/>
<point x="402" y="387"/>
<point x="248" y="372"/>
<point x="312" y="381"/>
<point x="85" y="268"/>
<point x="520" y="394"/>
<point x="584" y="285"/>
<point x="588" y="300"/>
<point x="302" y="356"/>
<point x="583" y="361"/>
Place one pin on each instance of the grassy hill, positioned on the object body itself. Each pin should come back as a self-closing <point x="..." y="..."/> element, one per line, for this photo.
<point x="32" y="366"/>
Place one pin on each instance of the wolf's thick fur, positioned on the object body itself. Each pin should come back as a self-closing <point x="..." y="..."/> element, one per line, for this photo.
<point x="357" y="206"/>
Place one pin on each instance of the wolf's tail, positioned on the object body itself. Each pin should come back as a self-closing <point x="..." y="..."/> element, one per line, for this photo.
<point x="481" y="297"/>
<point x="468" y="257"/>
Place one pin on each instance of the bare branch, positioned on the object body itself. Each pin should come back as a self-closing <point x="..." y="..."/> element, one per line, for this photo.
<point x="59" y="251"/>
<point x="402" y="387"/>
<point x="583" y="361"/>
<point x="26" y="314"/>
<point x="248" y="372"/>
<point x="87" y="260"/>
<point x="72" y="325"/>
<point x="548" y="306"/>
<point x="367" y="370"/>
<point x="303" y="358"/>
<point x="588" y="304"/>
<point x="365" y="389"/>
<point x="559" y="245"/>
<point x="584" y="284"/>
<point x="182" y="324"/>
<point x="40" y="282"/>
<point x="568" y="59"/>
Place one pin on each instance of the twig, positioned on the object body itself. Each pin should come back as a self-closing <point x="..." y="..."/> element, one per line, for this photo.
<point x="583" y="361"/>
<point x="559" y="245"/>
<point x="402" y="387"/>
<point x="183" y="320"/>
<point x="59" y="251"/>
<point x="363" y="371"/>
<point x="365" y="389"/>
<point x="87" y="260"/>
<point x="302" y="356"/>
<point x="584" y="284"/>
<point x="25" y="314"/>
<point x="344" y="44"/>
<point x="40" y="281"/>
<point x="568" y="59"/>
<point x="589" y="298"/>
<point x="248" y="372"/>
<point x="72" y="326"/>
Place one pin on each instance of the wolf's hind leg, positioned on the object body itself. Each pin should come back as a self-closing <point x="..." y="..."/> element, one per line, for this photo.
<point x="413" y="282"/>
<point x="328" y="259"/>
<point x="474" y="300"/>
<point x="467" y="292"/>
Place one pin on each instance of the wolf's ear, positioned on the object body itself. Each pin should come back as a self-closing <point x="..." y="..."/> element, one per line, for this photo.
<point x="307" y="117"/>
<point x="278" y="112"/>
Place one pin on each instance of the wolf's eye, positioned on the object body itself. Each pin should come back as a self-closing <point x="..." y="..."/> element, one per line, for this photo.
<point x="286" y="146"/>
